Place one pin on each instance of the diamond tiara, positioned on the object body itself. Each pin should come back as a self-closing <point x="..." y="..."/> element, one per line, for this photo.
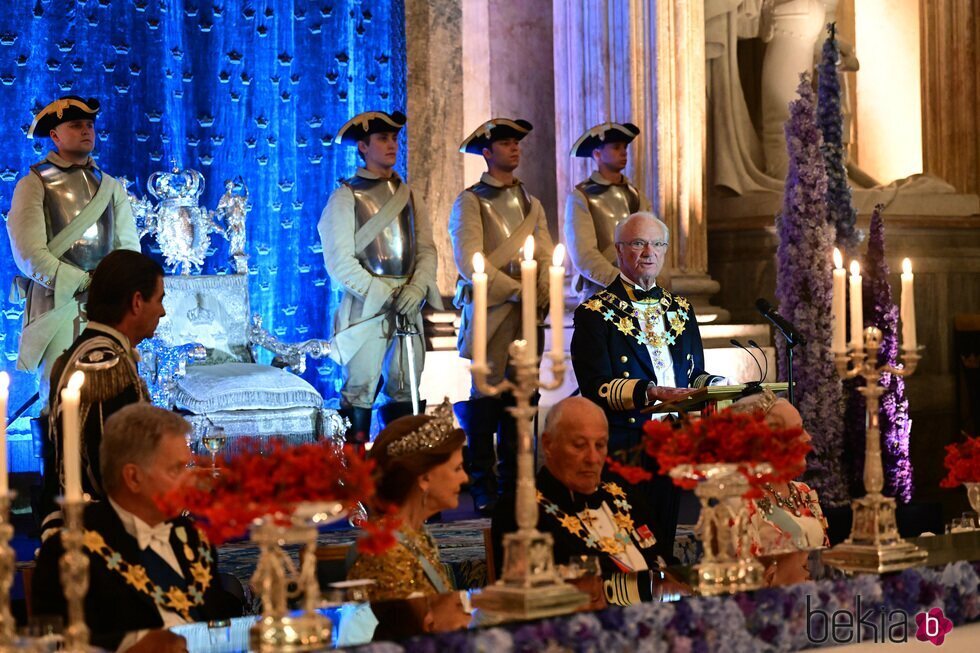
<point x="431" y="434"/>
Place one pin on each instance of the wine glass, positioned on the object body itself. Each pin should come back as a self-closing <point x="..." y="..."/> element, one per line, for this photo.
<point x="214" y="441"/>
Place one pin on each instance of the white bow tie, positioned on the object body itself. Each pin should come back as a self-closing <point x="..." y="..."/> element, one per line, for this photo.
<point x="146" y="535"/>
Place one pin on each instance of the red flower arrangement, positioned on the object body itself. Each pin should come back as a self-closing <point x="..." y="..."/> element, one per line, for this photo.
<point x="727" y="437"/>
<point x="255" y="482"/>
<point x="963" y="463"/>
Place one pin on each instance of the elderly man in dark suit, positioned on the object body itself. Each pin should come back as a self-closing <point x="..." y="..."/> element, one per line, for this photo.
<point x="147" y="572"/>
<point x="636" y="342"/>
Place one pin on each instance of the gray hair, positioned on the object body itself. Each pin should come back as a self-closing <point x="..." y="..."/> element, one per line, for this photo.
<point x="132" y="435"/>
<point x="641" y="215"/>
<point x="553" y="420"/>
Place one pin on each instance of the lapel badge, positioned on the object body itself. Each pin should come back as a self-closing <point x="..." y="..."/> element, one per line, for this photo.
<point x="644" y="537"/>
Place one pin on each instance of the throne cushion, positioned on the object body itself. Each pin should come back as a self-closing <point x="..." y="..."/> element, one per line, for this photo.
<point x="242" y="386"/>
<point x="210" y="309"/>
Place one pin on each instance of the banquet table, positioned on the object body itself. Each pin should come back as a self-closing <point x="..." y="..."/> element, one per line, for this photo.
<point x="826" y="611"/>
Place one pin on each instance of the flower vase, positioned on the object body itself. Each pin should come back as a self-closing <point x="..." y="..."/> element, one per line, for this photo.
<point x="279" y="630"/>
<point x="727" y="565"/>
<point x="973" y="494"/>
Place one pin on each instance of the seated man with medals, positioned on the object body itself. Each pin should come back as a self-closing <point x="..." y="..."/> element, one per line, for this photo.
<point x="418" y="472"/>
<point x="588" y="510"/>
<point x="635" y="343"/>
<point x="125" y="304"/>
<point x="146" y="572"/>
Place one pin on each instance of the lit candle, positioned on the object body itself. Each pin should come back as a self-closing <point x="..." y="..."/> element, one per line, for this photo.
<point x="4" y="387"/>
<point x="479" y="311"/>
<point x="71" y="452"/>
<point x="556" y="278"/>
<point x="529" y="298"/>
<point x="857" y="308"/>
<point x="839" y="305"/>
<point x="908" y="307"/>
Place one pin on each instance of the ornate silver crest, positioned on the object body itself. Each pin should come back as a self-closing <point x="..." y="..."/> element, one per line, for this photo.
<point x="182" y="227"/>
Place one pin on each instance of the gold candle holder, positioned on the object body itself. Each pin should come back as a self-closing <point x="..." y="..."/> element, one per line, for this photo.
<point x="74" y="568"/>
<point x="8" y="564"/>
<point x="874" y="544"/>
<point x="529" y="585"/>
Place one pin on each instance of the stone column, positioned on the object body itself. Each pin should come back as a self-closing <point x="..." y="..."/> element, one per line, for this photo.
<point x="675" y="28"/>
<point x="950" y="56"/>
<point x="592" y="82"/>
<point x="435" y="116"/>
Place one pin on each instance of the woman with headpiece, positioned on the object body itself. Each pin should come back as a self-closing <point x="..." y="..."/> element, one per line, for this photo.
<point x="788" y="516"/>
<point x="419" y="471"/>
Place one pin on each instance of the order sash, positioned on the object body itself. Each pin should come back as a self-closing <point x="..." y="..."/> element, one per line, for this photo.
<point x="380" y="220"/>
<point x="40" y="331"/>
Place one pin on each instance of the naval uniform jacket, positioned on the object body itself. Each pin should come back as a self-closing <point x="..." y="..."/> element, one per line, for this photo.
<point x="613" y="367"/>
<point x="114" y="606"/>
<point x="569" y="546"/>
<point x="124" y="385"/>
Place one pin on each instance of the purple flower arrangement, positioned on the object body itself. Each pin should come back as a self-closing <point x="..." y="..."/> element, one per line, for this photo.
<point x="766" y="620"/>
<point x="804" y="290"/>
<point x="830" y="118"/>
<point x="893" y="416"/>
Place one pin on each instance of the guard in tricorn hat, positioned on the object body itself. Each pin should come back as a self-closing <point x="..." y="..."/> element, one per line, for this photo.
<point x="377" y="244"/>
<point x="65" y="216"/>
<point x="598" y="204"/>
<point x="494" y="217"/>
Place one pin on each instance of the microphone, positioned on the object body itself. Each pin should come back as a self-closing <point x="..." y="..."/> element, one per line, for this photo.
<point x="753" y="343"/>
<point x="751" y="387"/>
<point x="793" y="337"/>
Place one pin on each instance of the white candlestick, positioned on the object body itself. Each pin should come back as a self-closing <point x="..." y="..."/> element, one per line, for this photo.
<point x="857" y="308"/>
<point x="529" y="298"/>
<point x="908" y="307"/>
<point x="556" y="279"/>
<point x="479" y="311"/>
<point x="4" y="388"/>
<point x="71" y="452"/>
<point x="839" y="343"/>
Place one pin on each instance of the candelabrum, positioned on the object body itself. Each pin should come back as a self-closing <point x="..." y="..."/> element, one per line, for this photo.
<point x="74" y="575"/>
<point x="8" y="562"/>
<point x="874" y="544"/>
<point x="529" y="584"/>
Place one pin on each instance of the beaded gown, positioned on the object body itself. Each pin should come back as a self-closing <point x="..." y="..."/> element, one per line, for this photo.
<point x="405" y="570"/>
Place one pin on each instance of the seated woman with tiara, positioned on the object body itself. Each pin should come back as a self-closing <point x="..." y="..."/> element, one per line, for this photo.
<point x="788" y="517"/>
<point x="418" y="471"/>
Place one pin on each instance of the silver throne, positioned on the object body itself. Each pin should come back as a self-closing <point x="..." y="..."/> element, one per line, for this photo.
<point x="203" y="357"/>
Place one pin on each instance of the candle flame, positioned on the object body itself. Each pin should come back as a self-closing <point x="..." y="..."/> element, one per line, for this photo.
<point x="855" y="268"/>
<point x="838" y="259"/>
<point x="478" y="267"/>
<point x="529" y="249"/>
<point x="907" y="266"/>
<point x="76" y="380"/>
<point x="4" y="383"/>
<point x="559" y="256"/>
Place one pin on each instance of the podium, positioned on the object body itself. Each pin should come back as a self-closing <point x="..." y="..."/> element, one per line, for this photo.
<point x="715" y="396"/>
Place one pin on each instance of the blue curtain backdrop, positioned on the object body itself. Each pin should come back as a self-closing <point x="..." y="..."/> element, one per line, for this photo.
<point x="255" y="88"/>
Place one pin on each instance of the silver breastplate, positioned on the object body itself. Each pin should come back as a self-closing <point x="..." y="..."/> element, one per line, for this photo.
<point x="392" y="253"/>
<point x="66" y="193"/>
<point x="609" y="205"/>
<point x="502" y="211"/>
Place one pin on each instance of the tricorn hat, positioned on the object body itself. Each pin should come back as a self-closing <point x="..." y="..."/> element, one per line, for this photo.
<point x="370" y="122"/>
<point x="69" y="107"/>
<point x="607" y="132"/>
<point x="494" y="130"/>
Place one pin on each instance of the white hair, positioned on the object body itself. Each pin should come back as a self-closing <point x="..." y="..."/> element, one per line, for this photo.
<point x="641" y="215"/>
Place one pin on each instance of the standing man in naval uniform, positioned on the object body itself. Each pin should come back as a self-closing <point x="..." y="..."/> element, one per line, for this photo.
<point x="494" y="217"/>
<point x="65" y="216"/>
<point x="377" y="243"/>
<point x="598" y="204"/>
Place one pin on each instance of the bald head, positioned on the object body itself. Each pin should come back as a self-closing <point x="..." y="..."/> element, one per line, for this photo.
<point x="575" y="442"/>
